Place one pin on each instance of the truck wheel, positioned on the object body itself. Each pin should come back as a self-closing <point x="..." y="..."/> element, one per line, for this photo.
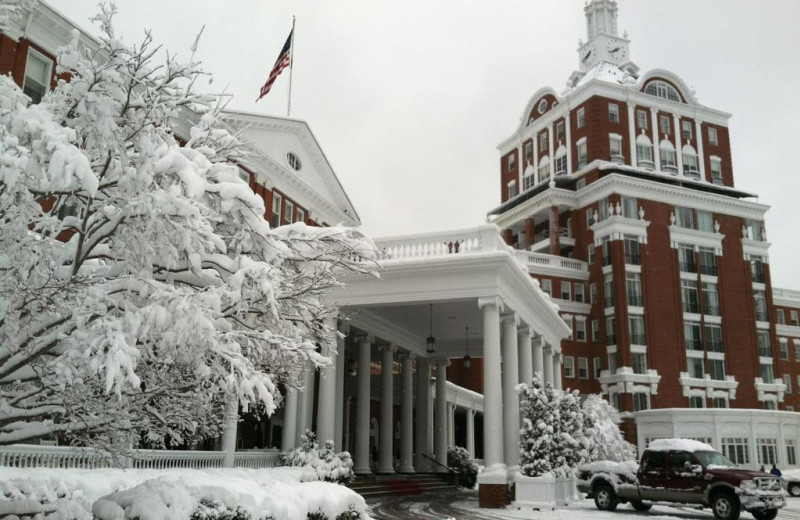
<point x="766" y="514"/>
<point x="794" y="489"/>
<point x="640" y="506"/>
<point x="604" y="498"/>
<point x="725" y="506"/>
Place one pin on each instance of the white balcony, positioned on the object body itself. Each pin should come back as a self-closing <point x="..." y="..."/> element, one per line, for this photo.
<point x="627" y="382"/>
<point x="711" y="387"/>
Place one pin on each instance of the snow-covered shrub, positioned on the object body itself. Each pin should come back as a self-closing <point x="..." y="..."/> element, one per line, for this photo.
<point x="328" y="465"/>
<point x="537" y="439"/>
<point x="459" y="459"/>
<point x="572" y="429"/>
<point x="216" y="510"/>
<point x="602" y="430"/>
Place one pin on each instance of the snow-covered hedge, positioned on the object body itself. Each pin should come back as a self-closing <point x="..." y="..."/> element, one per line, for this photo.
<point x="459" y="458"/>
<point x="178" y="494"/>
<point x="327" y="465"/>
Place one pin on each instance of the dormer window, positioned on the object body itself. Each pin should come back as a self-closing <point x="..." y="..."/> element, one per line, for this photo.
<point x="37" y="76"/>
<point x="294" y="161"/>
<point x="663" y="90"/>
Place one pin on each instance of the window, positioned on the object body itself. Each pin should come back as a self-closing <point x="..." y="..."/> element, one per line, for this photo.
<point x="697" y="402"/>
<point x="787" y="380"/>
<point x="512" y="189"/>
<point x="544" y="169"/>
<point x="687" y="129"/>
<point x="583" y="368"/>
<point x="737" y="449"/>
<point x="512" y="162"/>
<point x="276" y="210"/>
<point x="636" y="329"/>
<point x="633" y="283"/>
<point x="613" y="112"/>
<point x="606" y="251"/>
<point x="712" y="136"/>
<point x="705" y="221"/>
<point x="566" y="318"/>
<point x="695" y="367"/>
<point x="581" y="117"/>
<point x="767" y="451"/>
<point x="719" y="402"/>
<point x="690" y="164"/>
<point x="598" y="367"/>
<point x="632" y="254"/>
<point x="542" y="106"/>
<point x="784" y="350"/>
<point x="716" y="170"/>
<point x="615" y="402"/>
<point x="37" y="76"/>
<point x="593" y="293"/>
<point x="608" y="290"/>
<point x="560" y="131"/>
<point x="288" y="211"/>
<point x="796" y="350"/>
<point x="641" y="119"/>
<point x="793" y="316"/>
<point x="580" y="330"/>
<point x="779" y="318"/>
<point x="708" y="261"/>
<point x="669" y="159"/>
<point x="754" y="230"/>
<point x="663" y="90"/>
<point x="760" y="298"/>
<point x="714" y="338"/>
<point x="547" y="286"/>
<point x="561" y="162"/>
<point x="566" y="291"/>
<point x="767" y="374"/>
<point x="691" y="333"/>
<point x="611" y="331"/>
<point x="595" y="330"/>
<point x="639" y="362"/>
<point x="710" y="299"/>
<point x="640" y="401"/>
<point x="644" y="152"/>
<point x="791" y="452"/>
<point x="684" y="217"/>
<point x="583" y="157"/>
<point x="716" y="369"/>
<point x="663" y="124"/>
<point x="569" y="367"/>
<point x="590" y="253"/>
<point x="301" y="215"/>
<point x="629" y="207"/>
<point x="615" y="146"/>
<point x="580" y="290"/>
<point x="689" y="296"/>
<point x="764" y="349"/>
<point x="294" y="161"/>
<point x="604" y="209"/>
<point x="769" y="405"/>
<point x="529" y="152"/>
<point x="543" y="141"/>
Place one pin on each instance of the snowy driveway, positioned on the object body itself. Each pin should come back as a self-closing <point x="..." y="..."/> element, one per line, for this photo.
<point x="463" y="505"/>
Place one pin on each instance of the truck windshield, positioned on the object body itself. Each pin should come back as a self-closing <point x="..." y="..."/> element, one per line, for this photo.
<point x="713" y="458"/>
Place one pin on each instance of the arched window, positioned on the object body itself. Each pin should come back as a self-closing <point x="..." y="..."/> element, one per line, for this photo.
<point x="561" y="160"/>
<point x="544" y="169"/>
<point x="529" y="178"/>
<point x="690" y="163"/>
<point x="644" y="152"/>
<point x="663" y="90"/>
<point x="669" y="158"/>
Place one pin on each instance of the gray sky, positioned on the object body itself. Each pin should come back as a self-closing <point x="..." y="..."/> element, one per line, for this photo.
<point x="409" y="99"/>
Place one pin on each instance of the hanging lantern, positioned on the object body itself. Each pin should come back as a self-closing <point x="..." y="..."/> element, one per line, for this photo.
<point x="431" y="342"/>
<point x="467" y="359"/>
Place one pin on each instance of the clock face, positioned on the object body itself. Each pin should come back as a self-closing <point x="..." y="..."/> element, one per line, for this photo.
<point x="616" y="51"/>
<point x="587" y="54"/>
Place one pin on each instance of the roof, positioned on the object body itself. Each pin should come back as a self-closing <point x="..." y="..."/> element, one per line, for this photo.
<point x="679" y="445"/>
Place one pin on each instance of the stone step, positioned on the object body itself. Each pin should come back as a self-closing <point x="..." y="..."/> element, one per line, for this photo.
<point x="400" y="484"/>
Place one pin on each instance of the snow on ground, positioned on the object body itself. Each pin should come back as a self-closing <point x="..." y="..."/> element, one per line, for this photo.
<point x="584" y="510"/>
<point x="283" y="493"/>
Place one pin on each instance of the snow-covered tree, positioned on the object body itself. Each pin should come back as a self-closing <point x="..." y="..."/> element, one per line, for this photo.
<point x="140" y="286"/>
<point x="571" y="429"/>
<point x="602" y="428"/>
<point x="537" y="433"/>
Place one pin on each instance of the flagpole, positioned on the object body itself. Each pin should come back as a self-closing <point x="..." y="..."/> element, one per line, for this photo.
<point x="291" y="70"/>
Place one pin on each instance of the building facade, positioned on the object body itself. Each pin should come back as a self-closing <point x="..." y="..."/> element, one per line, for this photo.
<point x="625" y="173"/>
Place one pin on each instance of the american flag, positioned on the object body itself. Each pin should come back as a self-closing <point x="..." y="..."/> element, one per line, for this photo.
<point x="283" y="61"/>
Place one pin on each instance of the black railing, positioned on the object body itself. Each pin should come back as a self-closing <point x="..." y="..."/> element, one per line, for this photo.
<point x="711" y="310"/>
<point x="609" y="301"/>
<point x="691" y="307"/>
<point x="715" y="346"/>
<point x="761" y="316"/>
<point x="710" y="270"/>
<point x="688" y="267"/>
<point x="611" y="339"/>
<point x="452" y="471"/>
<point x="633" y="259"/>
<point x="635" y="300"/>
<point x="638" y="339"/>
<point x="764" y="351"/>
<point x="607" y="260"/>
<point x="759" y="277"/>
<point x="694" y="344"/>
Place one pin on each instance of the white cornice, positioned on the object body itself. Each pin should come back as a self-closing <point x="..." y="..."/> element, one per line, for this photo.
<point x="616" y="226"/>
<point x="48" y="29"/>
<point x="679" y="235"/>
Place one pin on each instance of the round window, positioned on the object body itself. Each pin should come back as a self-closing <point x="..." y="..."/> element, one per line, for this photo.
<point x="542" y="106"/>
<point x="294" y="161"/>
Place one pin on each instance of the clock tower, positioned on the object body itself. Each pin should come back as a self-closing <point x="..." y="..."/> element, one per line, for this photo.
<point x="604" y="42"/>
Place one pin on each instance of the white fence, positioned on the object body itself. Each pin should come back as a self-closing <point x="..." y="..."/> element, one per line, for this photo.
<point x="30" y="456"/>
<point x="472" y="240"/>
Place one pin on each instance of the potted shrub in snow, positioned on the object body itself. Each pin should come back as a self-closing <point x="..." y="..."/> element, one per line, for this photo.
<point x="536" y="483"/>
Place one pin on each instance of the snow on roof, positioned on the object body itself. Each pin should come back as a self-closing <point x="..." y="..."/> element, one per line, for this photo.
<point x="679" y="444"/>
<point x="608" y="72"/>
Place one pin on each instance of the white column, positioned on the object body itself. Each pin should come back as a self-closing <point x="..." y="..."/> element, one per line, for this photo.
<point x="290" y="419"/>
<point x="525" y="355"/>
<point x="230" y="424"/>
<point x="700" y="154"/>
<point x="362" y="406"/>
<point x="678" y="143"/>
<point x="305" y="403"/>
<point x="538" y="357"/>
<point x="654" y="130"/>
<point x="568" y="144"/>
<point x="632" y="132"/>
<point x="451" y="425"/>
<point x="326" y="408"/>
<point x="548" y="365"/>
<point x="471" y="432"/>
<point x="407" y="416"/>
<point x="557" y="371"/>
<point x="346" y="424"/>
<point x="440" y="422"/>
<point x="551" y="151"/>
<point x="386" y="446"/>
<point x="423" y="444"/>
<point x="492" y="388"/>
<point x="341" y="367"/>
<point x="510" y="395"/>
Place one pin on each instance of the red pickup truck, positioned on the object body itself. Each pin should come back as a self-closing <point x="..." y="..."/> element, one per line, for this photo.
<point x="687" y="473"/>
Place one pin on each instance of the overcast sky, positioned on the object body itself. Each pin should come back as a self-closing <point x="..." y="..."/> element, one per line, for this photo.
<point x="409" y="99"/>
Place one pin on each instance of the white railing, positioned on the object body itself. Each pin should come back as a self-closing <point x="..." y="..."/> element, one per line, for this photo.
<point x="28" y="456"/>
<point x="533" y="260"/>
<point x="479" y="239"/>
